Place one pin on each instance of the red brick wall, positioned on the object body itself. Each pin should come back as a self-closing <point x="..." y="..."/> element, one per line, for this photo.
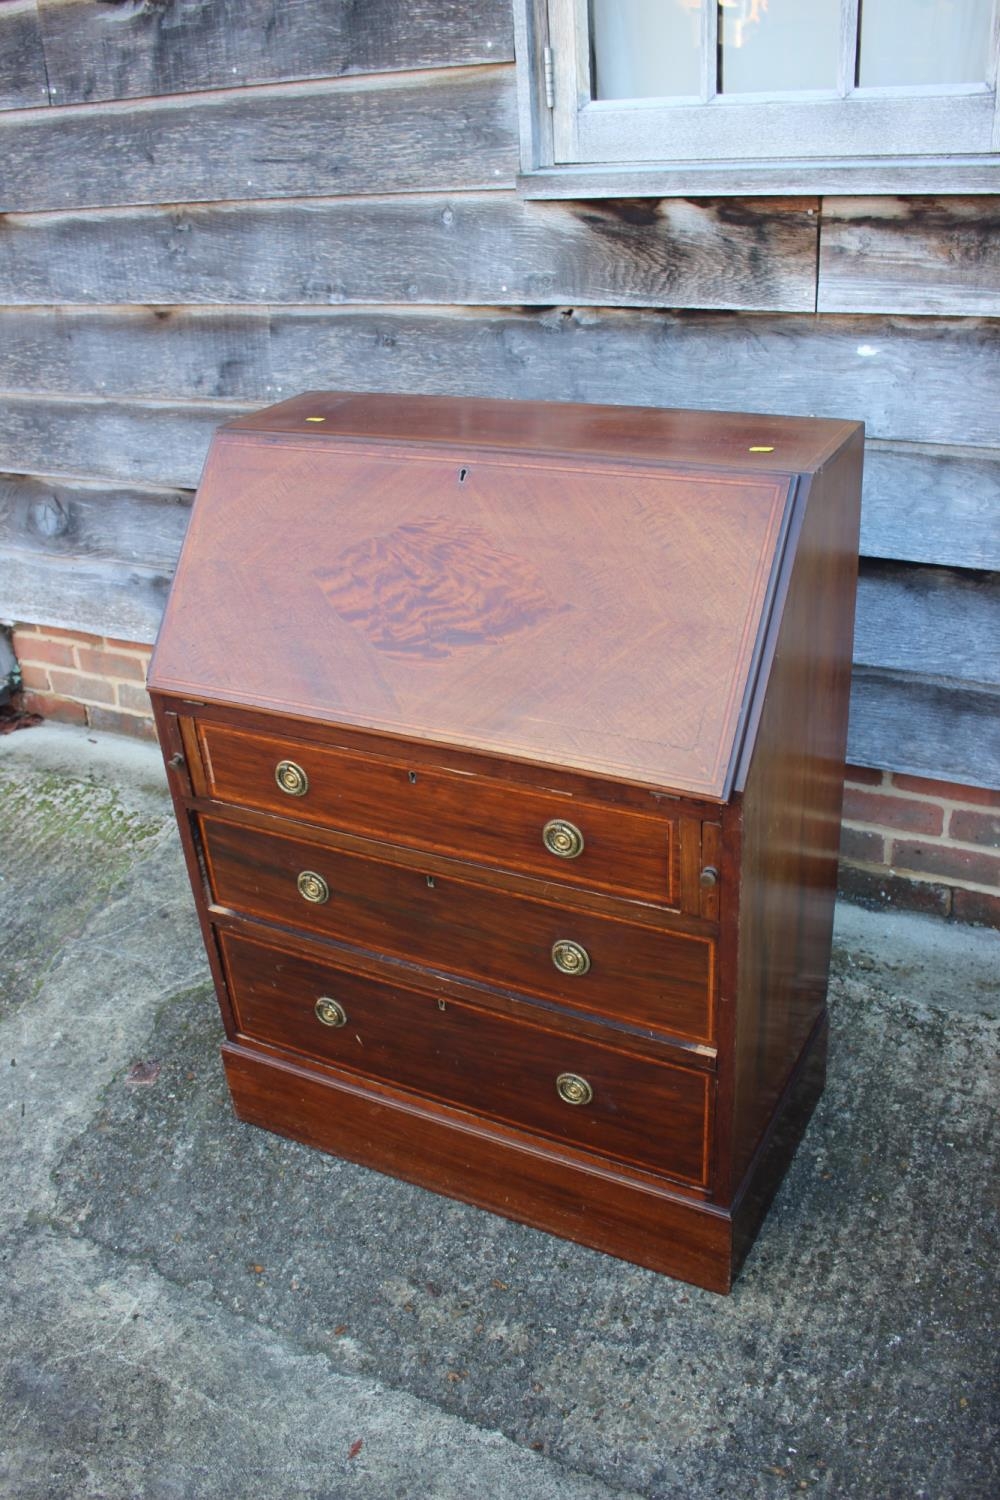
<point x="907" y="841"/>
<point x="922" y="844"/>
<point x="84" y="679"/>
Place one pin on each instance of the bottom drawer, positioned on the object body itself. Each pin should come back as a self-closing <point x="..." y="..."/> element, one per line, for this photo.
<point x="549" y="1082"/>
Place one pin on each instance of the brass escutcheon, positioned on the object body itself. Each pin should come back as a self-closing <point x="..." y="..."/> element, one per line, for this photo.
<point x="313" y="887"/>
<point x="570" y="957"/>
<point x="291" y="778"/>
<point x="573" y="1089"/>
<point x="330" y="1012"/>
<point x="562" y="838"/>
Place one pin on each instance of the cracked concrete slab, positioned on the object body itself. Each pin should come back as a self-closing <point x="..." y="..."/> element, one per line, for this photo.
<point x="198" y="1308"/>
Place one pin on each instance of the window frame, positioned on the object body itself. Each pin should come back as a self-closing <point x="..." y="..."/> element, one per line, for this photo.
<point x="575" y="147"/>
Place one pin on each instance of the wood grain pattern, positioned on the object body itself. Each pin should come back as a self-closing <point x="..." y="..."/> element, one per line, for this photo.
<point x="787" y="822"/>
<point x="430" y="540"/>
<point x="445" y="811"/>
<point x="426" y="754"/>
<point x="22" y="62"/>
<point x="463" y="249"/>
<point x="101" y="598"/>
<point x="436" y="130"/>
<point x="649" y="977"/>
<point x="910" y="255"/>
<point x="157" y="443"/>
<point x="101" y="522"/>
<point x="96" y="51"/>
<point x="88" y="557"/>
<point x="645" y="1112"/>
<point x="940" y="622"/>
<point x="927" y="506"/>
<point x="120" y="592"/>
<point x="920" y="504"/>
<point x="927" y="727"/>
<point x="910" y="380"/>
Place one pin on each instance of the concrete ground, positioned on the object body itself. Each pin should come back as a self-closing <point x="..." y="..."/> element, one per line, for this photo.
<point x="195" y="1308"/>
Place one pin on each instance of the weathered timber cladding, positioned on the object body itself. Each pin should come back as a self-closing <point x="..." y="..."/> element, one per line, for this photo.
<point x="921" y="505"/>
<point x="926" y="727"/>
<point x="910" y="255"/>
<point x="101" y="598"/>
<point x="157" y="443"/>
<point x="96" y="558"/>
<point x="96" y="51"/>
<point x="940" y="622"/>
<point x="144" y="527"/>
<point x="22" y="65"/>
<point x="929" y="506"/>
<point x="413" y="131"/>
<point x="910" y="380"/>
<point x="466" y="248"/>
<point x="754" y="254"/>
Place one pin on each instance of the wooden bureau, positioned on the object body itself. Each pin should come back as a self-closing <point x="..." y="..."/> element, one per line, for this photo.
<point x="506" y="742"/>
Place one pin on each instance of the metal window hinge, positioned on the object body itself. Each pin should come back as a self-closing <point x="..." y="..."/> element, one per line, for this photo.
<point x="550" y="78"/>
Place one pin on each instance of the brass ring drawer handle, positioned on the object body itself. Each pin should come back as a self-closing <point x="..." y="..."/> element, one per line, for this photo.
<point x="572" y="1089"/>
<point x="330" y="1012"/>
<point x="562" y="839"/>
<point x="570" y="957"/>
<point x="313" y="887"/>
<point x="291" y="778"/>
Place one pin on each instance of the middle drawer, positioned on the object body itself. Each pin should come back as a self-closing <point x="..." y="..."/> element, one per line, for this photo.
<point x="647" y="975"/>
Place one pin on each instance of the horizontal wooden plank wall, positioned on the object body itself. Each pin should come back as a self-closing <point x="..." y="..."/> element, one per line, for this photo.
<point x="176" y="247"/>
<point x="403" y="132"/>
<point x="935" y="383"/>
<point x="462" y="248"/>
<point x="914" y="255"/>
<point x="924" y="726"/>
<point x="22" y="63"/>
<point x="93" y="52"/>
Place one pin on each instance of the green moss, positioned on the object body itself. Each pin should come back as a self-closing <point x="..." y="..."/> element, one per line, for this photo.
<point x="67" y="843"/>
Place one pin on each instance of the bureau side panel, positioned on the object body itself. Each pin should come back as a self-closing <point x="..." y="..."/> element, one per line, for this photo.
<point x="185" y="778"/>
<point x="788" y="809"/>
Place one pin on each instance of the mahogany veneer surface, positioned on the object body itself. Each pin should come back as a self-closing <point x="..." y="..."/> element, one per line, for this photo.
<point x="465" y="624"/>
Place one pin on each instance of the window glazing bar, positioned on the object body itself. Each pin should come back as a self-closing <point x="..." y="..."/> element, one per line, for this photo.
<point x="850" y="28"/>
<point x="709" y="49"/>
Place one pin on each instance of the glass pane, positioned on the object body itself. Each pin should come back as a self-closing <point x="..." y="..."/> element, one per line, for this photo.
<point x="924" y="41"/>
<point x="645" y="49"/>
<point x="772" y="46"/>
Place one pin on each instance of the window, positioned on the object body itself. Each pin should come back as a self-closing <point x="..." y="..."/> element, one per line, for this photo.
<point x="626" y="96"/>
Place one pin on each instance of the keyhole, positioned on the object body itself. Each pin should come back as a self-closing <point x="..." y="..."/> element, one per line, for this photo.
<point x="411" y="776"/>
<point x="462" y="474"/>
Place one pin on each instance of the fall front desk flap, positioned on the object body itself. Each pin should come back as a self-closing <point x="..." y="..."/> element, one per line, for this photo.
<point x="575" y="585"/>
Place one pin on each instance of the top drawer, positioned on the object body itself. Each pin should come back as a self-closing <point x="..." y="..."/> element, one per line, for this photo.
<point x="612" y="850"/>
